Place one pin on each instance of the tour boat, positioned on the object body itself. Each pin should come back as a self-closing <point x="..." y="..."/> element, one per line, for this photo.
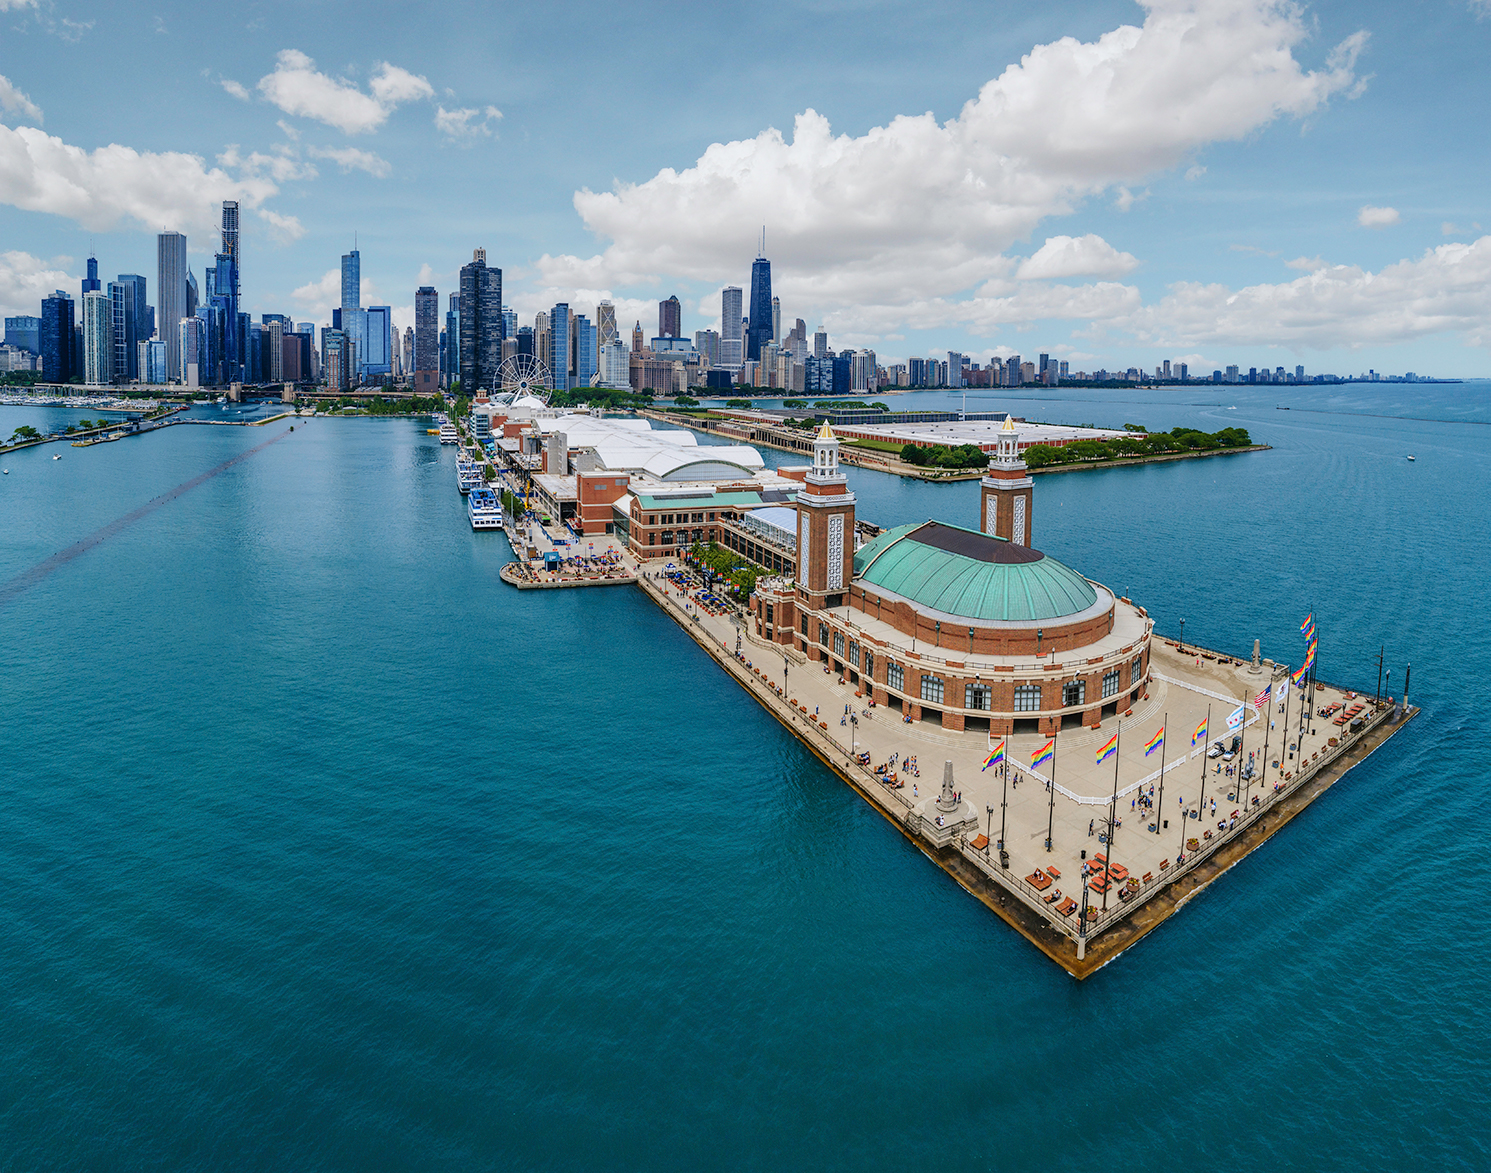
<point x="484" y="509"/>
<point x="448" y="433"/>
<point x="468" y="476"/>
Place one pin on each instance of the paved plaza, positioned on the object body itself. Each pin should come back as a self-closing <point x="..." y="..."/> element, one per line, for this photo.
<point x="1200" y="794"/>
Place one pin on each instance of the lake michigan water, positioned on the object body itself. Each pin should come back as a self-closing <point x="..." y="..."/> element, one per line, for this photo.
<point x="321" y="849"/>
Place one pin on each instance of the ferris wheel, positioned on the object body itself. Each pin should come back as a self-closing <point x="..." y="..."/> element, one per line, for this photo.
<point x="523" y="374"/>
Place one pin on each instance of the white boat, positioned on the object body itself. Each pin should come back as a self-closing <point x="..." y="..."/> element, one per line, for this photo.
<point x="448" y="433"/>
<point x="484" y="509"/>
<point x="57" y="456"/>
<point x="468" y="476"/>
<point x="1412" y="458"/>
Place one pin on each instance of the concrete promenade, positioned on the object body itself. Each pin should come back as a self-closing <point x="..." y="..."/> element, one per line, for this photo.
<point x="1164" y="845"/>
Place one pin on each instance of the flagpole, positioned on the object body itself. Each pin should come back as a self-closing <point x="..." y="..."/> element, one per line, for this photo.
<point x="1160" y="805"/>
<point x="1004" y="802"/>
<point x="1051" y="809"/>
<point x="1201" y="799"/>
<point x="1269" y="717"/>
<point x="1242" y="744"/>
<point x="1285" y="755"/>
<point x="1113" y="812"/>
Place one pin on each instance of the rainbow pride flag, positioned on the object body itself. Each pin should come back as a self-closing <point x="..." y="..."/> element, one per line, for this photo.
<point x="1200" y="734"/>
<point x="1155" y="742"/>
<point x="1046" y="753"/>
<point x="996" y="755"/>
<point x="1309" y="621"/>
<point x="1311" y="633"/>
<point x="1108" y="750"/>
<point x="1297" y="677"/>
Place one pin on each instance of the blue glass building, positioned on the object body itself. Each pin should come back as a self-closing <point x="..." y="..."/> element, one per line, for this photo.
<point x="24" y="332"/>
<point x="375" y="360"/>
<point x="91" y="282"/>
<point x="559" y="337"/>
<point x="57" y="336"/>
<point x="585" y="351"/>
<point x="351" y="279"/>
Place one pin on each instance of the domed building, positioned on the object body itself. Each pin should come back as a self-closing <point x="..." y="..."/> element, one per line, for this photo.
<point x="974" y="626"/>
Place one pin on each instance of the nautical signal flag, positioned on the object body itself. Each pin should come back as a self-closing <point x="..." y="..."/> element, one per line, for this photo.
<point x="1200" y="734"/>
<point x="1155" y="742"/>
<point x="996" y="755"/>
<point x="1235" y="718"/>
<point x="1308" y="623"/>
<point x="1262" y="698"/>
<point x="1046" y="753"/>
<point x="1107" y="751"/>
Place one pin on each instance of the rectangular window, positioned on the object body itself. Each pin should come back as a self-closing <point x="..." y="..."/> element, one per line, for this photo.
<point x="978" y="696"/>
<point x="1027" y="698"/>
<point x="667" y="537"/>
<point x="1110" y="683"/>
<point x="1136" y="671"/>
<point x="839" y="643"/>
<point x="1073" y="693"/>
<point x="932" y="689"/>
<point x="652" y="539"/>
<point x="895" y="676"/>
<point x="805" y="626"/>
<point x="869" y="664"/>
<point x="854" y="655"/>
<point x="823" y="634"/>
<point x="769" y="610"/>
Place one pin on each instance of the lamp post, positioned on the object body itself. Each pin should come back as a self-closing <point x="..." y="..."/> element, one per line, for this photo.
<point x="1182" y="636"/>
<point x="784" y="674"/>
<point x="1051" y="789"/>
<point x="990" y="835"/>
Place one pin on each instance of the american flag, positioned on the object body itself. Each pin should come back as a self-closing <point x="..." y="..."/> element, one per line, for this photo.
<point x="1262" y="698"/>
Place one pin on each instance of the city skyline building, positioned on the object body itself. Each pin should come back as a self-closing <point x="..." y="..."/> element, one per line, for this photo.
<point x="351" y="280"/>
<point x="24" y="332"/>
<point x="98" y="338"/>
<point x="171" y="296"/>
<point x="91" y="283"/>
<point x="559" y="335"/>
<point x="480" y="347"/>
<point x="759" y="332"/>
<point x="605" y="323"/>
<point x="670" y="317"/>
<point x="426" y="368"/>
<point x="732" y="334"/>
<point x="57" y="337"/>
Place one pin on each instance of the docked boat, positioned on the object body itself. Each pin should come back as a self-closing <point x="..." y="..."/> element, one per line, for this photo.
<point x="448" y="433"/>
<point x="484" y="509"/>
<point x="468" y="476"/>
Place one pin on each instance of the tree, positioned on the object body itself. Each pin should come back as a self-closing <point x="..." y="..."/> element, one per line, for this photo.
<point x="737" y="403"/>
<point x="687" y="401"/>
<point x="794" y="403"/>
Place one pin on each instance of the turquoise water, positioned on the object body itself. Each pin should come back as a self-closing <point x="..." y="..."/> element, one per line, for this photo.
<point x="325" y="850"/>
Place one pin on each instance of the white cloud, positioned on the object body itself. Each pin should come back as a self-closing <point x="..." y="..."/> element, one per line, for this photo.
<point x="9" y="5"/>
<point x="25" y="280"/>
<point x="282" y="166"/>
<point x="348" y="158"/>
<point x="1447" y="290"/>
<point x="1195" y="171"/>
<point x="1076" y="256"/>
<point x="115" y="185"/>
<point x="917" y="211"/>
<point x="236" y="88"/>
<point x="1370" y="217"/>
<point x="12" y="101"/>
<point x="467" y="123"/>
<point x="296" y="87"/>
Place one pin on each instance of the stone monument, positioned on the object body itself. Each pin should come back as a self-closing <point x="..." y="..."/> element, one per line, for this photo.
<point x="944" y="818"/>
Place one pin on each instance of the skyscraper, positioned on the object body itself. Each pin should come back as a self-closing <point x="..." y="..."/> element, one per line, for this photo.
<point x="57" y="337"/>
<point x="375" y="360"/>
<point x="408" y="352"/>
<point x="351" y="280"/>
<point x="637" y="344"/>
<point x="426" y="360"/>
<point x="559" y="327"/>
<point x="98" y="338"/>
<point x="170" y="297"/>
<point x="25" y="332"/>
<point x="230" y="236"/>
<point x="481" y="323"/>
<point x="776" y="319"/>
<point x="732" y="343"/>
<point x="91" y="283"/>
<point x="586" y="358"/>
<point x="670" y="318"/>
<point x="131" y="324"/>
<point x="759" y="332"/>
<point x="605" y="322"/>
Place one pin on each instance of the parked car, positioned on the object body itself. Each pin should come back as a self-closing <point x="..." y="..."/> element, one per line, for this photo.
<point x="1217" y="750"/>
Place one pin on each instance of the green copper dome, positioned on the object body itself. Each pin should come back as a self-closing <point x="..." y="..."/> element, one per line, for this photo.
<point x="972" y="575"/>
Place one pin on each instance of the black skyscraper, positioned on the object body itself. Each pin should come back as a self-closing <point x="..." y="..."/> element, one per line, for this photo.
<point x="759" y="333"/>
<point x="481" y="323"/>
<point x="58" y="339"/>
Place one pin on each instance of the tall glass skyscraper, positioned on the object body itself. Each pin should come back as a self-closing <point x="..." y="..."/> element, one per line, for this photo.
<point x="481" y="323"/>
<point x="376" y="359"/>
<point x="759" y="333"/>
<point x="91" y="283"/>
<point x="131" y="324"/>
<point x="585" y="351"/>
<point x="25" y="332"/>
<point x="426" y="364"/>
<point x="732" y="343"/>
<point x="98" y="338"/>
<point x="351" y="280"/>
<point x="559" y="332"/>
<point x="57" y="337"/>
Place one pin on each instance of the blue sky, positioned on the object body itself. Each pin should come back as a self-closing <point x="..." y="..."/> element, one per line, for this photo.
<point x="1115" y="183"/>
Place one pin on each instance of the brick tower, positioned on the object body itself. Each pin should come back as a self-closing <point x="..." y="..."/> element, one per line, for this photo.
<point x="825" y="527"/>
<point x="1005" y="497"/>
